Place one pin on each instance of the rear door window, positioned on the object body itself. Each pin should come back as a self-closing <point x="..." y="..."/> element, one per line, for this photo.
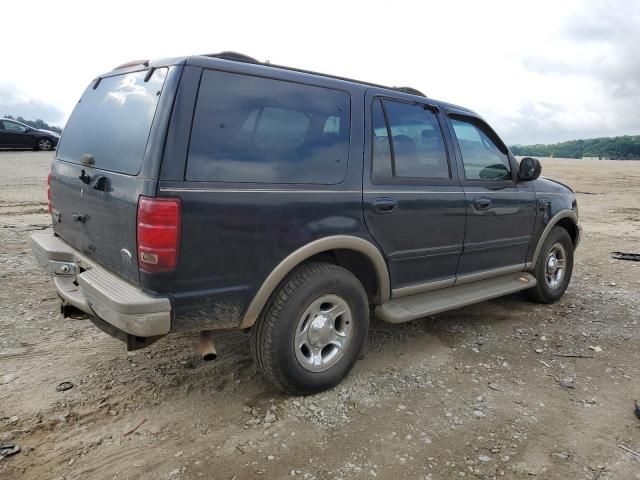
<point x="410" y="145"/>
<point x="254" y="129"/>
<point x="112" y="121"/>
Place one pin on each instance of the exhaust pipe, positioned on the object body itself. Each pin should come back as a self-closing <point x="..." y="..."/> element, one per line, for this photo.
<point x="206" y="347"/>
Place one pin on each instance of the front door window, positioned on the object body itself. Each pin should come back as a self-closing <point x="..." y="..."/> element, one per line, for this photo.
<point x="13" y="127"/>
<point x="483" y="158"/>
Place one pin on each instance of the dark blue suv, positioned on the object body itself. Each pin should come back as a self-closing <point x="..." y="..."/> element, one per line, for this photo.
<point x="215" y="192"/>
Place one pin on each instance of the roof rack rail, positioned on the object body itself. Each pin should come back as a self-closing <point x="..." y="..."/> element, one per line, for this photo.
<point x="410" y="90"/>
<point x="234" y="56"/>
<point x="241" y="57"/>
<point x="133" y="63"/>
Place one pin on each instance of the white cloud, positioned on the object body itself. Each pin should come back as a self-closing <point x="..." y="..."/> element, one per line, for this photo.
<point x="18" y="104"/>
<point x="539" y="71"/>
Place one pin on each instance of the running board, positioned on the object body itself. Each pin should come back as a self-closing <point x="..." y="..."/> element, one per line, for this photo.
<point x="409" y="308"/>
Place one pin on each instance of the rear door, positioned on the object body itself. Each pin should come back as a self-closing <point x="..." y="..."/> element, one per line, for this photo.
<point x="500" y="212"/>
<point x="413" y="203"/>
<point x="98" y="174"/>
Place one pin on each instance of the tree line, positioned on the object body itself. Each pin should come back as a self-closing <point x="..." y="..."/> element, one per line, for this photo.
<point x="626" y="147"/>
<point x="39" y="124"/>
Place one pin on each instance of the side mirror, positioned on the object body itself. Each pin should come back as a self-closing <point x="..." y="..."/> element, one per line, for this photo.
<point x="529" y="169"/>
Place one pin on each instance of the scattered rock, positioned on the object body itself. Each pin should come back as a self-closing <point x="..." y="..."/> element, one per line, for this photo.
<point x="8" y="449"/>
<point x="595" y="348"/>
<point x="567" y="382"/>
<point x="484" y="458"/>
<point x="64" y="386"/>
<point x="560" y="455"/>
<point x="8" y="378"/>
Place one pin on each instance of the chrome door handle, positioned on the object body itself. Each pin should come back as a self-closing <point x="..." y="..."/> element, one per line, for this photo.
<point x="482" y="203"/>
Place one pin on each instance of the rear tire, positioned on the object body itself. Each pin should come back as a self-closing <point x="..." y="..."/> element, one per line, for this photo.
<point x="44" y="144"/>
<point x="310" y="334"/>
<point x="553" y="268"/>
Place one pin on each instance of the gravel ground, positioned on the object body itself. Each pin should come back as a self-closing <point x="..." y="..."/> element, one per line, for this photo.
<point x="506" y="388"/>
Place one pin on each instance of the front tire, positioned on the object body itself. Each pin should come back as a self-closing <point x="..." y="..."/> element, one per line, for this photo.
<point x="309" y="336"/>
<point x="44" y="144"/>
<point x="553" y="268"/>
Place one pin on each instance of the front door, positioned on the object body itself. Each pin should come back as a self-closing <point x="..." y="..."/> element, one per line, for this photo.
<point x="500" y="211"/>
<point x="15" y="135"/>
<point x="5" y="137"/>
<point x="413" y="203"/>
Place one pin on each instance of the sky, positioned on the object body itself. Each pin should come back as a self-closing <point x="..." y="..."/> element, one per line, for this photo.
<point x="538" y="71"/>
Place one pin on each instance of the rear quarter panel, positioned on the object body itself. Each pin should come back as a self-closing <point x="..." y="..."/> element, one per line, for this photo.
<point x="235" y="234"/>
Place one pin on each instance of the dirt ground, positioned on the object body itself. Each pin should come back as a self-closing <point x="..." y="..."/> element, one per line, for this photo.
<point x="479" y="392"/>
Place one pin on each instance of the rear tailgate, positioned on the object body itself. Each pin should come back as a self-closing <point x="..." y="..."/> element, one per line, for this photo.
<point x="98" y="173"/>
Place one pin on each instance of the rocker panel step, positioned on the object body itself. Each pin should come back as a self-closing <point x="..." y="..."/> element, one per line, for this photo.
<point x="424" y="304"/>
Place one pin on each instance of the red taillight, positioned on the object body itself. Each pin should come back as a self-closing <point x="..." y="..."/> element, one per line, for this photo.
<point x="158" y="233"/>
<point x="49" y="193"/>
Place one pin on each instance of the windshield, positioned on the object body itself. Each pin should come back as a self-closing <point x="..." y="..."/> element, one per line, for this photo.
<point x="112" y="122"/>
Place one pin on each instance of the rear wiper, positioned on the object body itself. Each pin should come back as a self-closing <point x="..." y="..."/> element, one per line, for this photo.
<point x="84" y="178"/>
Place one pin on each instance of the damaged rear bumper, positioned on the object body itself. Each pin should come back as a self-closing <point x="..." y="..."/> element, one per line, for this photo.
<point x="119" y="307"/>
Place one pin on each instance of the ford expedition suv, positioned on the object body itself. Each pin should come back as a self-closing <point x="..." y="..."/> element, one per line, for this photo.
<point x="216" y="192"/>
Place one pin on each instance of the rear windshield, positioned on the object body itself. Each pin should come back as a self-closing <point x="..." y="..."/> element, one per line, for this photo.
<point x="112" y="122"/>
<point x="254" y="129"/>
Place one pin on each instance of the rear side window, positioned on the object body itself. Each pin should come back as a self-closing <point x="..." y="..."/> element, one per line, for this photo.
<point x="254" y="129"/>
<point x="112" y="122"/>
<point x="407" y="142"/>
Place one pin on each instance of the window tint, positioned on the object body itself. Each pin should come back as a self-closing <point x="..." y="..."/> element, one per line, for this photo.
<point x="112" y="122"/>
<point x="13" y="127"/>
<point x="416" y="148"/>
<point x="483" y="158"/>
<point x="253" y="129"/>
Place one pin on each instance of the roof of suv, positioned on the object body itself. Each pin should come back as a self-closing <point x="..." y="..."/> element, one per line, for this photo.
<point x="216" y="59"/>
